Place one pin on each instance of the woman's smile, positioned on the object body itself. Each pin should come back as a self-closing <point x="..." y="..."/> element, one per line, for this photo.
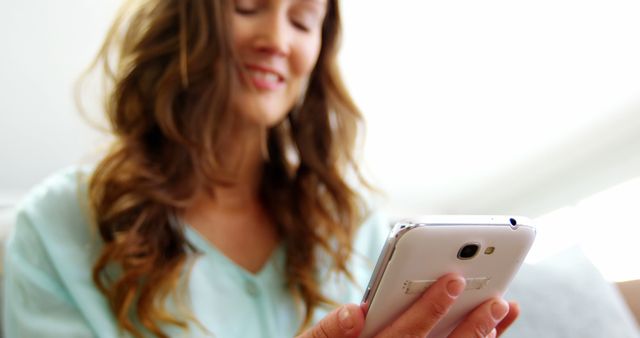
<point x="264" y="77"/>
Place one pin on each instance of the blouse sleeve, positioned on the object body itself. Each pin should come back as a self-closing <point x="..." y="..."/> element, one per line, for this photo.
<point x="36" y="302"/>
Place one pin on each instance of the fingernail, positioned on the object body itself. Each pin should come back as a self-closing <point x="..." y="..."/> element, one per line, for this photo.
<point x="344" y="316"/>
<point x="499" y="310"/>
<point x="455" y="287"/>
<point x="493" y="334"/>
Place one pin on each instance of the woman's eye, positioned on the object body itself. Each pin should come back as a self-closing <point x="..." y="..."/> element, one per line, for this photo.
<point x="246" y="7"/>
<point x="301" y="26"/>
<point x="306" y="21"/>
<point x="246" y="10"/>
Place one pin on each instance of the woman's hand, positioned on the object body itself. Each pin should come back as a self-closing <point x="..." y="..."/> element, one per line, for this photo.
<point x="488" y="320"/>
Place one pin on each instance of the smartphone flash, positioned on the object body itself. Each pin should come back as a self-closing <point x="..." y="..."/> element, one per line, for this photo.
<point x="489" y="250"/>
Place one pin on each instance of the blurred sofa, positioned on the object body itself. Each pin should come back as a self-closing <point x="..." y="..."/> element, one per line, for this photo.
<point x="562" y="297"/>
<point x="566" y="296"/>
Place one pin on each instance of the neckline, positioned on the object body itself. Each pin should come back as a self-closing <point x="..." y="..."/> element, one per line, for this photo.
<point x="276" y="256"/>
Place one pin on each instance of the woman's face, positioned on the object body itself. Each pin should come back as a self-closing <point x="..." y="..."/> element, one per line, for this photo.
<point x="277" y="43"/>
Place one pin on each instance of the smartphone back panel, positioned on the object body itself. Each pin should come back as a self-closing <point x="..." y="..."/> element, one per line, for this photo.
<point x="421" y="250"/>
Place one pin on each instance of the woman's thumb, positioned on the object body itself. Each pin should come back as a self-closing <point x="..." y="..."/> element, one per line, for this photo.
<point x="344" y="322"/>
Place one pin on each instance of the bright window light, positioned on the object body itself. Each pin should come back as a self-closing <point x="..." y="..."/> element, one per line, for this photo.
<point x="605" y="226"/>
<point x="457" y="92"/>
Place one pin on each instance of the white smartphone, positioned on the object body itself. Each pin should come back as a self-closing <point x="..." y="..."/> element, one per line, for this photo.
<point x="486" y="250"/>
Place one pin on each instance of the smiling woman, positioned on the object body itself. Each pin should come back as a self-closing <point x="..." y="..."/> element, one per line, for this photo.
<point x="223" y="207"/>
<point x="277" y="48"/>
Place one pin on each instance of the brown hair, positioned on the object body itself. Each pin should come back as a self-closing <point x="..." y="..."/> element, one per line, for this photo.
<point x="166" y="107"/>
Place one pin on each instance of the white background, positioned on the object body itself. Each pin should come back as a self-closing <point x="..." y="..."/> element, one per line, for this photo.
<point x="517" y="107"/>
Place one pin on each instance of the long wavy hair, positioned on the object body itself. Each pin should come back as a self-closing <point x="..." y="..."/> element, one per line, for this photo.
<point x="170" y="69"/>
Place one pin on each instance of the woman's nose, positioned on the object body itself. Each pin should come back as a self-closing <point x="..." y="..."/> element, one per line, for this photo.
<point x="273" y="36"/>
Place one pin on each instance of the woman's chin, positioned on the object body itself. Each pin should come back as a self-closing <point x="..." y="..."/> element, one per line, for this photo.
<point x="265" y="119"/>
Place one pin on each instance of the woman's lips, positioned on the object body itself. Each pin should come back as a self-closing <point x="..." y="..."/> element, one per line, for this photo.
<point x="264" y="78"/>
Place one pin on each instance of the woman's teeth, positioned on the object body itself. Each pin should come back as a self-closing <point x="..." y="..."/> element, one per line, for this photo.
<point x="264" y="76"/>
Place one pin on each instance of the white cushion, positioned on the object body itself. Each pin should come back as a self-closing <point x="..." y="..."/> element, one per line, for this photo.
<point x="566" y="296"/>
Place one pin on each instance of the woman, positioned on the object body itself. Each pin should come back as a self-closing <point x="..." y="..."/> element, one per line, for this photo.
<point x="228" y="204"/>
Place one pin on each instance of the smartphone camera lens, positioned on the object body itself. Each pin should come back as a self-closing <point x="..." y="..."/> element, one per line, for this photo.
<point x="468" y="251"/>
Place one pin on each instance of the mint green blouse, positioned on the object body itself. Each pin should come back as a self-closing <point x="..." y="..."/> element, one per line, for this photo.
<point x="49" y="291"/>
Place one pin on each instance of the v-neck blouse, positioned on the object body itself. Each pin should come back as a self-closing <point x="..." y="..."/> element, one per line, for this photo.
<point x="272" y="267"/>
<point x="49" y="291"/>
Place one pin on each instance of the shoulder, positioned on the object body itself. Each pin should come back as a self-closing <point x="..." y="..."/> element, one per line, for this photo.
<point x="372" y="231"/>
<point x="367" y="244"/>
<point x="61" y="194"/>
<point x="48" y="263"/>
<point x="371" y="235"/>
<point x="55" y="215"/>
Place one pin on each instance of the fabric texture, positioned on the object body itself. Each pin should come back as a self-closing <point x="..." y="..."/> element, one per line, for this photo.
<point x="566" y="296"/>
<point x="49" y="291"/>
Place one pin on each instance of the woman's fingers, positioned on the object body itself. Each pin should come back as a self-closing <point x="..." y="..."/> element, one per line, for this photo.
<point x="514" y="312"/>
<point x="425" y="313"/>
<point x="483" y="320"/>
<point x="344" y="322"/>
<point x="490" y="319"/>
